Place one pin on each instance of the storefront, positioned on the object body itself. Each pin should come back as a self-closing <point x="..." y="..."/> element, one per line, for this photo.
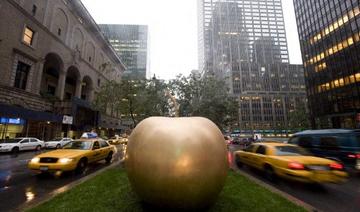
<point x="11" y="127"/>
<point x="21" y="122"/>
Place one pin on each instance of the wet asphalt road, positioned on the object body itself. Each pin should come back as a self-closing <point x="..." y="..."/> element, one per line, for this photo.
<point x="18" y="185"/>
<point x="330" y="197"/>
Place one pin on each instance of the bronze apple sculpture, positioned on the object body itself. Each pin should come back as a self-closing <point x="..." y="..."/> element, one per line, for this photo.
<point x="177" y="162"/>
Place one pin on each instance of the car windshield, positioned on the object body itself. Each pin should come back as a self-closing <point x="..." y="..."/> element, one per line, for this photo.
<point x="16" y="140"/>
<point x="290" y="151"/>
<point x="81" y="145"/>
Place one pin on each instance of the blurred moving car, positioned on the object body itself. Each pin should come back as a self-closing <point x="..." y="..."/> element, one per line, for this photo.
<point x="20" y="144"/>
<point x="336" y="144"/>
<point x="57" y="143"/>
<point x="118" y="139"/>
<point x="228" y="140"/>
<point x="291" y="162"/>
<point x="75" y="155"/>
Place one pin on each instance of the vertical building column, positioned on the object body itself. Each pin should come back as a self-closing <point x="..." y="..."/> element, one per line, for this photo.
<point x="60" y="89"/>
<point x="39" y="74"/>
<point x="91" y="94"/>
<point x="78" y="88"/>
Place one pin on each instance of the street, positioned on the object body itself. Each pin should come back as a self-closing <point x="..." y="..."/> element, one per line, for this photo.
<point x="19" y="185"/>
<point x="330" y="197"/>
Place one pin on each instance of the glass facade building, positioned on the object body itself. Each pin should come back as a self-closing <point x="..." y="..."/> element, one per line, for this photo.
<point x="131" y="44"/>
<point x="244" y="43"/>
<point x="329" y="32"/>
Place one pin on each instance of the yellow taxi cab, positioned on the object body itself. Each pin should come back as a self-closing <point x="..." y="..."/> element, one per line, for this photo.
<point x="291" y="162"/>
<point x="73" y="156"/>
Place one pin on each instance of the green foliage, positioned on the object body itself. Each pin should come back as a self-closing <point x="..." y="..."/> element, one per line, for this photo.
<point x="299" y="118"/>
<point x="111" y="191"/>
<point x="139" y="99"/>
<point x="134" y="99"/>
<point x="207" y="97"/>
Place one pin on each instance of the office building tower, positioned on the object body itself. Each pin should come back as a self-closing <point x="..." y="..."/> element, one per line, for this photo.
<point x="329" y="32"/>
<point x="131" y="44"/>
<point x="244" y="43"/>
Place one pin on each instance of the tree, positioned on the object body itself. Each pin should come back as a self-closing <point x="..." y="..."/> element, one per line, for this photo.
<point x="298" y="118"/>
<point x="135" y="100"/>
<point x="207" y="97"/>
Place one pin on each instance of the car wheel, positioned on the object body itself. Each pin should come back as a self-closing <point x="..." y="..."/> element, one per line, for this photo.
<point x="81" y="166"/>
<point x="38" y="148"/>
<point x="270" y="173"/>
<point x="15" y="150"/>
<point x="239" y="164"/>
<point x="58" y="146"/>
<point x="109" y="157"/>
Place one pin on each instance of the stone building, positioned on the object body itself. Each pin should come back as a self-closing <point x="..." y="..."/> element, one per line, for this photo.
<point x="53" y="60"/>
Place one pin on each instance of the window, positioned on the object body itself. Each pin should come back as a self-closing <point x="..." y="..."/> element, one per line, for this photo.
<point x="250" y="148"/>
<point x="96" y="145"/>
<point x="22" y="72"/>
<point x="28" y="37"/>
<point x="103" y="144"/>
<point x="290" y="151"/>
<point x="25" y="141"/>
<point x="33" y="140"/>
<point x="261" y="150"/>
<point x="34" y="9"/>
<point x="329" y="143"/>
<point x="51" y="90"/>
<point x="306" y="142"/>
<point x="59" y="32"/>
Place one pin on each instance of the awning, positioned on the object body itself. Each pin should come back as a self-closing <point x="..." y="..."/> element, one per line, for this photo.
<point x="19" y="112"/>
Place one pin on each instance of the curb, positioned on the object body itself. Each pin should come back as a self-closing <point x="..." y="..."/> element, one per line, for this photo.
<point x="287" y="196"/>
<point x="65" y="188"/>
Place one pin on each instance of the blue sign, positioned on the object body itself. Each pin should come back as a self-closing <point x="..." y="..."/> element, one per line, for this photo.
<point x="13" y="121"/>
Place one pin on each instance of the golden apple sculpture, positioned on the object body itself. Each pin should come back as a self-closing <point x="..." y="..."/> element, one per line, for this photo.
<point x="177" y="162"/>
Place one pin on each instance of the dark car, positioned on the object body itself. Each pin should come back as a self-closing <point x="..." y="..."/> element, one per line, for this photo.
<point x="337" y="144"/>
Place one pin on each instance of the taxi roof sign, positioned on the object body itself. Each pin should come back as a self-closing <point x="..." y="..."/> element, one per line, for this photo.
<point x="89" y="135"/>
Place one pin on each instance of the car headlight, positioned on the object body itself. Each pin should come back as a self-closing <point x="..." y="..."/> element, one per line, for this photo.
<point x="35" y="160"/>
<point x="65" y="160"/>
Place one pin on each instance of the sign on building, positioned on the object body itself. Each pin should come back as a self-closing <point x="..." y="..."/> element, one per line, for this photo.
<point x="67" y="120"/>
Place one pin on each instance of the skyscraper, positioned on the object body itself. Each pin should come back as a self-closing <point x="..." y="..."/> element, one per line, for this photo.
<point x="329" y="32"/>
<point x="131" y="44"/>
<point x="244" y="43"/>
<point x="243" y="22"/>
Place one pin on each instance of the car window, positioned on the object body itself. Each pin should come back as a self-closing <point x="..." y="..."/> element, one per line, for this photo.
<point x="25" y="141"/>
<point x="348" y="140"/>
<point x="357" y="140"/>
<point x="294" y="140"/>
<point x="96" y="145"/>
<point x="261" y="150"/>
<point x="82" y="145"/>
<point x="329" y="142"/>
<point x="250" y="148"/>
<point x="290" y="151"/>
<point x="305" y="141"/>
<point x="16" y="140"/>
<point x="33" y="140"/>
<point x="103" y="144"/>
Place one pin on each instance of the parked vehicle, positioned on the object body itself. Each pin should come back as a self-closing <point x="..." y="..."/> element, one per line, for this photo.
<point x="291" y="162"/>
<point x="57" y="143"/>
<point x="337" y="144"/>
<point x="20" y="144"/>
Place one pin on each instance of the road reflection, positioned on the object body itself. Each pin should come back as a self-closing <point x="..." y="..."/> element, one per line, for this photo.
<point x="19" y="186"/>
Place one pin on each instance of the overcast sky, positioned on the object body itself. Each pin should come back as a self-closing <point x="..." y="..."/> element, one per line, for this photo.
<point x="173" y="30"/>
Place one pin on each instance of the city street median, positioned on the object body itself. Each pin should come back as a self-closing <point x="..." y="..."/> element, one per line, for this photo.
<point x="111" y="191"/>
